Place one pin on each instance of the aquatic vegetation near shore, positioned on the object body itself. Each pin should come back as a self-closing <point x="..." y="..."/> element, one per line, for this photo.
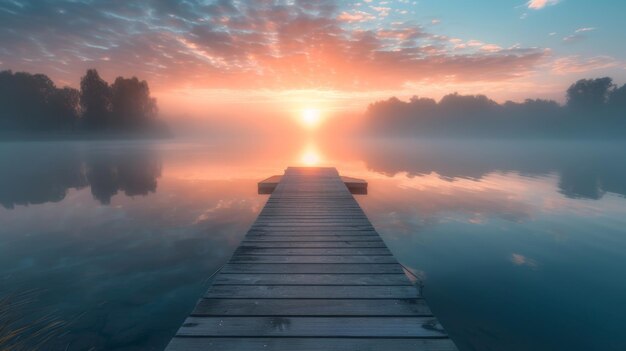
<point x="27" y="331"/>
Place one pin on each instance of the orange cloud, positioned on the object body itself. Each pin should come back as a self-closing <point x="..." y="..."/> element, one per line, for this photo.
<point x="257" y="45"/>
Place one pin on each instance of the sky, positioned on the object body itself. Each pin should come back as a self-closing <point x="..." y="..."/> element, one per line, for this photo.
<point x="203" y="57"/>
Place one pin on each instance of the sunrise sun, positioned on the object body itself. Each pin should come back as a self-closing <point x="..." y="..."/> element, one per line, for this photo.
<point x="310" y="117"/>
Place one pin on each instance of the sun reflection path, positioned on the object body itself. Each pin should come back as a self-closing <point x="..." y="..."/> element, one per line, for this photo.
<point x="310" y="156"/>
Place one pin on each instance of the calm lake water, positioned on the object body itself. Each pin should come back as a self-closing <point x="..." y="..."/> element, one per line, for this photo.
<point x="521" y="245"/>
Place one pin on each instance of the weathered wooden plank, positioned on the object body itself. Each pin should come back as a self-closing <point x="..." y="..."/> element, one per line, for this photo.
<point x="312" y="292"/>
<point x="309" y="344"/>
<point x="245" y="250"/>
<point x="290" y="217"/>
<point x="310" y="228"/>
<point x="313" y="244"/>
<point x="312" y="307"/>
<point x="282" y="201"/>
<point x="326" y="209"/>
<point x="350" y="214"/>
<point x="327" y="213"/>
<point x="314" y="200"/>
<point x="313" y="222"/>
<point x="311" y="279"/>
<point x="304" y="232"/>
<point x="312" y="238"/>
<point x="311" y="215"/>
<point x="323" y="211"/>
<point x="303" y="268"/>
<point x="312" y="327"/>
<point x="295" y="259"/>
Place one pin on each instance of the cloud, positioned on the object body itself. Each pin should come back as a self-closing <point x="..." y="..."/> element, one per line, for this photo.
<point x="572" y="38"/>
<point x="401" y="34"/>
<point x="356" y="16"/>
<point x="539" y="4"/>
<point x="491" y="48"/>
<point x="578" y="34"/>
<point x="382" y="11"/>
<point x="578" y="64"/>
<point x="236" y="45"/>
<point x="585" y="29"/>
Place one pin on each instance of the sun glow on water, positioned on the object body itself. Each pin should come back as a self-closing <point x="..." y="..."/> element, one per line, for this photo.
<point x="310" y="156"/>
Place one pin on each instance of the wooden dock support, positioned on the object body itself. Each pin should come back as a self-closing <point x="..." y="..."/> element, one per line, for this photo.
<point x="311" y="274"/>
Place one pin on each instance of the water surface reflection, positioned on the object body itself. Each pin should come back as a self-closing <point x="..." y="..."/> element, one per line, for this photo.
<point x="586" y="169"/>
<point x="520" y="244"/>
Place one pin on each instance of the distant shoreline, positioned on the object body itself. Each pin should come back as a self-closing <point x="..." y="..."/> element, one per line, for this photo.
<point x="11" y="136"/>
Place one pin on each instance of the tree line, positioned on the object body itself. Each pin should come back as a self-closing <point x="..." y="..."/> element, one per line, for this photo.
<point x="33" y="103"/>
<point x="594" y="107"/>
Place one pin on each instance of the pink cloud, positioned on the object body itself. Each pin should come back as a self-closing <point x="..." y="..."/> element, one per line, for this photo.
<point x="539" y="4"/>
<point x="356" y="16"/>
<point x="577" y="64"/>
<point x="491" y="48"/>
<point x="250" y="46"/>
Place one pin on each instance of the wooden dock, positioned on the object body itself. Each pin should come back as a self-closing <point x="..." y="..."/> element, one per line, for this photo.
<point x="311" y="274"/>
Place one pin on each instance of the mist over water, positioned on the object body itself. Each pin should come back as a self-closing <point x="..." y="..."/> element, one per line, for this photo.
<point x="520" y="244"/>
<point x="133" y="134"/>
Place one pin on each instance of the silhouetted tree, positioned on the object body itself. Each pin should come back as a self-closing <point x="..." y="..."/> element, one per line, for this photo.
<point x="33" y="102"/>
<point x="467" y="103"/>
<point x="132" y="105"/>
<point x="589" y="94"/>
<point x="65" y="108"/>
<point x="617" y="100"/>
<point x="95" y="100"/>
<point x="595" y="107"/>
